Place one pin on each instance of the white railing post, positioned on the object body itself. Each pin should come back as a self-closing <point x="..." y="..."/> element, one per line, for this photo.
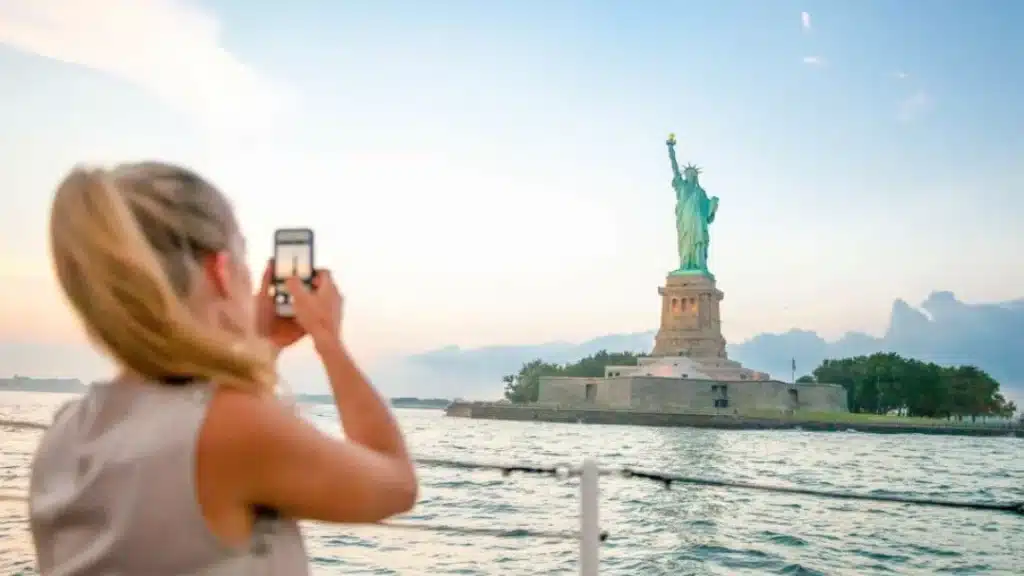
<point x="590" y="525"/>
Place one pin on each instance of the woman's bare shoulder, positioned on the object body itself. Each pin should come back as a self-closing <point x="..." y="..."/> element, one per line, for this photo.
<point x="237" y="422"/>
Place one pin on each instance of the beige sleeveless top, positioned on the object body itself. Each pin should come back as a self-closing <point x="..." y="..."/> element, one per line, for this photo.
<point x="113" y="492"/>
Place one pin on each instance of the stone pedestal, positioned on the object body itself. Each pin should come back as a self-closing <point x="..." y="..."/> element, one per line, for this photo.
<point x="691" y="325"/>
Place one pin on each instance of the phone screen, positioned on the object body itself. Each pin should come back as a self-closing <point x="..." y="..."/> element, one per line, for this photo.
<point x="293" y="256"/>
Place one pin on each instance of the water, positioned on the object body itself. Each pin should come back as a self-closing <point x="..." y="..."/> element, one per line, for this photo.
<point x="653" y="531"/>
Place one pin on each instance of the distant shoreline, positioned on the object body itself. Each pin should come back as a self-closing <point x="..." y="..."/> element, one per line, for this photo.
<point x="76" y="387"/>
<point x="398" y="402"/>
<point x="539" y="413"/>
<point x="49" y="385"/>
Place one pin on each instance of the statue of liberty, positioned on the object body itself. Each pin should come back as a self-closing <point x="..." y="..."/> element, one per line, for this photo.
<point x="695" y="212"/>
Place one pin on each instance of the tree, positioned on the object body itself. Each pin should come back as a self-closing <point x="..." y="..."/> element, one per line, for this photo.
<point x="805" y="379"/>
<point x="593" y="366"/>
<point x="524" y="386"/>
<point x="886" y="382"/>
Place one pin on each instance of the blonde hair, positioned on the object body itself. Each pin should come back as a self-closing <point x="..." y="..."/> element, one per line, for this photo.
<point x="125" y="244"/>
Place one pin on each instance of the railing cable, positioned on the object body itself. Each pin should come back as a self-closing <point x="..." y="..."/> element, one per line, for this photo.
<point x="23" y="424"/>
<point x="668" y="480"/>
<point x="471" y="531"/>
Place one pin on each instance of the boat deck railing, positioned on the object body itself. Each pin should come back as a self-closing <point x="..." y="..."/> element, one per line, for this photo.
<point x="591" y="535"/>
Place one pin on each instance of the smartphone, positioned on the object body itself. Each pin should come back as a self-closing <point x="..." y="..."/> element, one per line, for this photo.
<point x="293" y="256"/>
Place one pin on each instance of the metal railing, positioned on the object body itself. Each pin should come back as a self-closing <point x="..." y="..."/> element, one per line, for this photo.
<point x="590" y="535"/>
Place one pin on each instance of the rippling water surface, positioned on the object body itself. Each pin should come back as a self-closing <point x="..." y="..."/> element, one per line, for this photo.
<point x="653" y="531"/>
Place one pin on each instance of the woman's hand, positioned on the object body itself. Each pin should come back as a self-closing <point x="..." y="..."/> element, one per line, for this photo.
<point x="318" y="311"/>
<point x="282" y="332"/>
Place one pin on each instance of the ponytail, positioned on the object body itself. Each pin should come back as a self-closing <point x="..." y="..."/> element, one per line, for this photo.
<point x="124" y="290"/>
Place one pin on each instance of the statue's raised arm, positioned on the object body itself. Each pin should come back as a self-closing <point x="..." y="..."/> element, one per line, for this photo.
<point x="671" y="142"/>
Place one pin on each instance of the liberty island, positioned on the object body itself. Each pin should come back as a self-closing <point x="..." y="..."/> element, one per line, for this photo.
<point x="687" y="379"/>
<point x="688" y="371"/>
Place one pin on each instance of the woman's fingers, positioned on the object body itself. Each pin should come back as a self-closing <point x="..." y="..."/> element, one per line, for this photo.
<point x="323" y="282"/>
<point x="302" y="300"/>
<point x="317" y="306"/>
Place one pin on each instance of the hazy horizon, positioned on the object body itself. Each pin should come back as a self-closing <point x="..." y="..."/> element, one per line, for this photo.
<point x="940" y="329"/>
<point x="496" y="174"/>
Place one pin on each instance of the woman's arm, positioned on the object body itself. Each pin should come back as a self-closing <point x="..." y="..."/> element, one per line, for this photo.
<point x="278" y="459"/>
<point x="260" y="453"/>
<point x="366" y="418"/>
<point x="267" y="455"/>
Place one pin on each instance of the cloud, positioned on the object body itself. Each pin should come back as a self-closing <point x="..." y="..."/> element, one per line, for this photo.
<point x="805" y="21"/>
<point x="914" y="106"/>
<point x="169" y="48"/>
<point x="943" y="330"/>
<point x="814" y="60"/>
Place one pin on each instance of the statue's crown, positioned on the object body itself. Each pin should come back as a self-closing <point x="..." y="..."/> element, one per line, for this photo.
<point x="696" y="169"/>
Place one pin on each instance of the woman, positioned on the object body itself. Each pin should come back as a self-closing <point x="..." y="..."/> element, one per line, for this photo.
<point x="186" y="463"/>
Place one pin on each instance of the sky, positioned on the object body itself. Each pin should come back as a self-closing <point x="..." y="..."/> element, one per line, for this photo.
<point x="482" y="173"/>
